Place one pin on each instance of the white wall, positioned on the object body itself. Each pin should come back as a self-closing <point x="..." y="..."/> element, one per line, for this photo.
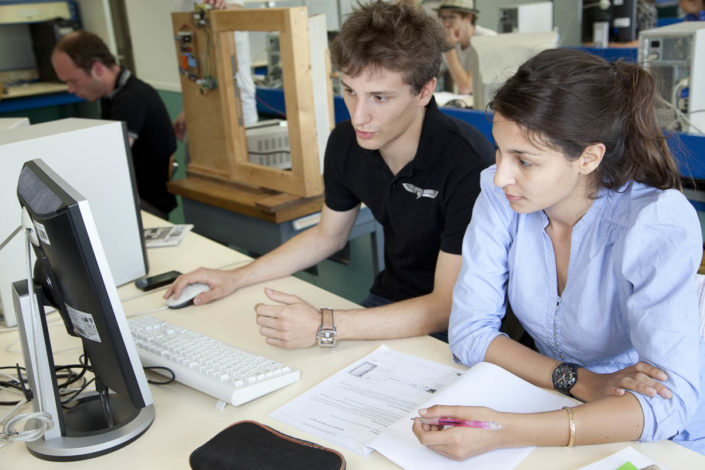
<point x="152" y="40"/>
<point x="95" y="15"/>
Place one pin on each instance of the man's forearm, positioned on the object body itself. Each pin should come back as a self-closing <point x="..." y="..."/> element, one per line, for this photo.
<point x="413" y="317"/>
<point x="461" y="77"/>
<point x="303" y="251"/>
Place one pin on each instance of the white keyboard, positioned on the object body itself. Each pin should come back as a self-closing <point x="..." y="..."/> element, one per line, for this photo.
<point x="206" y="364"/>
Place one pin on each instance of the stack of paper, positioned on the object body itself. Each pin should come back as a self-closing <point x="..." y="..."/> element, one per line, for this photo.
<point x="368" y="405"/>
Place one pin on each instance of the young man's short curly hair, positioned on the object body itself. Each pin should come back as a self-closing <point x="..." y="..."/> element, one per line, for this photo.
<point x="400" y="37"/>
<point x="85" y="49"/>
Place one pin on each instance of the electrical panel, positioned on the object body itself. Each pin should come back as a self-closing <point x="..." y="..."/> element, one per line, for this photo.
<point x="193" y="58"/>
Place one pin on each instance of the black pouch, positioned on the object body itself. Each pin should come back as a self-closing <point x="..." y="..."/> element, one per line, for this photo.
<point x="252" y="445"/>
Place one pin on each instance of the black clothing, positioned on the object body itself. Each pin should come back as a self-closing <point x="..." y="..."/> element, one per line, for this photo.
<point x="148" y="122"/>
<point x="425" y="208"/>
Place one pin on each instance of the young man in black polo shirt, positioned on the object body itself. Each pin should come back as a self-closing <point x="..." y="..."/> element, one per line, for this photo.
<point x="83" y="61"/>
<point x="417" y="170"/>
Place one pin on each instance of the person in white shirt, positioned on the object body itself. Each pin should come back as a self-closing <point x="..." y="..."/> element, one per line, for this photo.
<point x="459" y="19"/>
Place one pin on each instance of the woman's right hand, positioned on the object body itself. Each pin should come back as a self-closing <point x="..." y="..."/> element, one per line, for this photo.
<point x="459" y="443"/>
<point x="222" y="283"/>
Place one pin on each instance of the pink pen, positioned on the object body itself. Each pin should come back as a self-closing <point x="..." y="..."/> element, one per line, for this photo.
<point x="467" y="423"/>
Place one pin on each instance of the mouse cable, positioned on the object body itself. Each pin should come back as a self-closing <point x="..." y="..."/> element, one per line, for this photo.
<point x="148" y="312"/>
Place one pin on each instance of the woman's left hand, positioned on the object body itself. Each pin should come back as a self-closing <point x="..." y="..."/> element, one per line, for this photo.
<point x="456" y="442"/>
<point x="641" y="378"/>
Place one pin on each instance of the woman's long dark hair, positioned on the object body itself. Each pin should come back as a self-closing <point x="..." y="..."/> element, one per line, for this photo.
<point x="570" y="99"/>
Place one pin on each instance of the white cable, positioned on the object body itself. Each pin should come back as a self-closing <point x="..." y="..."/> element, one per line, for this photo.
<point x="8" y="433"/>
<point x="149" y="312"/>
<point x="11" y="377"/>
<point x="9" y="238"/>
<point x="680" y="115"/>
<point x="675" y="100"/>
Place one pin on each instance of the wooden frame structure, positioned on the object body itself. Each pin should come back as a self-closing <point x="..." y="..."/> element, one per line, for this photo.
<point x="217" y="140"/>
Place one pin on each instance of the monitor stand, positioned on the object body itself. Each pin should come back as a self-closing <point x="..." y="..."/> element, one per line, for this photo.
<point x="81" y="432"/>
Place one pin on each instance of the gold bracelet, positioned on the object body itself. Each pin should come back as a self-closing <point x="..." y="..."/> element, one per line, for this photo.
<point x="571" y="423"/>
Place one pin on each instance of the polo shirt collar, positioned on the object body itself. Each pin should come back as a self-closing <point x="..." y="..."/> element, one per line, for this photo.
<point x="120" y="81"/>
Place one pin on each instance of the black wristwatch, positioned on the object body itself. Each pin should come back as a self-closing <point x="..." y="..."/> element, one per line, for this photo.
<point x="564" y="377"/>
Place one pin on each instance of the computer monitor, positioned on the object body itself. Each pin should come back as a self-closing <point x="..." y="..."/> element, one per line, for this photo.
<point x="620" y="15"/>
<point x="493" y="59"/>
<point x="71" y="272"/>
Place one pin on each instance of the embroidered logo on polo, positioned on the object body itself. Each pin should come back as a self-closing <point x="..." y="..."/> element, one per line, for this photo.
<point x="429" y="193"/>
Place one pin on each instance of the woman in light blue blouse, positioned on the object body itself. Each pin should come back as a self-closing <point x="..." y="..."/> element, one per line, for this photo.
<point x="582" y="229"/>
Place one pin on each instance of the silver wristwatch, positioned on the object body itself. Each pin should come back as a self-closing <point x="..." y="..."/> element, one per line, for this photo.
<point x="326" y="332"/>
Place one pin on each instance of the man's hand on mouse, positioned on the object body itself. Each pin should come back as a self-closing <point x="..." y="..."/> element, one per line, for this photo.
<point x="293" y="324"/>
<point x="222" y="283"/>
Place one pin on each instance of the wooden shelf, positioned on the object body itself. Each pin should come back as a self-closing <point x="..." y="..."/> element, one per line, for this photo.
<point x="263" y="204"/>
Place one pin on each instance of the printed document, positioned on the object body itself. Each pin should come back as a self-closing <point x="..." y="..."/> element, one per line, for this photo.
<point x="368" y="405"/>
<point x="355" y="405"/>
<point x="166" y="236"/>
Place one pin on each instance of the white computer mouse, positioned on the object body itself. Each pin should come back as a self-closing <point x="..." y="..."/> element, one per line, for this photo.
<point x="187" y="295"/>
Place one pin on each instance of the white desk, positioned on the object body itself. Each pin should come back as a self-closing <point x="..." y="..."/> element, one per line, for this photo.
<point x="185" y="418"/>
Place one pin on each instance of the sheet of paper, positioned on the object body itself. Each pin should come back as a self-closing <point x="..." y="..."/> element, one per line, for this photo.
<point x="165" y="236"/>
<point x="616" y="460"/>
<point x="355" y="405"/>
<point x="483" y="384"/>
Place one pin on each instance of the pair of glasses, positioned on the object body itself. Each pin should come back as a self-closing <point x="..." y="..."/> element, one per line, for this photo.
<point x="452" y="18"/>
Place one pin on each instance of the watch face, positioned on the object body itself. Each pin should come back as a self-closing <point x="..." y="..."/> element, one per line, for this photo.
<point x="326" y="337"/>
<point x="564" y="377"/>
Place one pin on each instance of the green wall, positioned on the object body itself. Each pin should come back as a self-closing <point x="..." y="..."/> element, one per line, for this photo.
<point x="174" y="104"/>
